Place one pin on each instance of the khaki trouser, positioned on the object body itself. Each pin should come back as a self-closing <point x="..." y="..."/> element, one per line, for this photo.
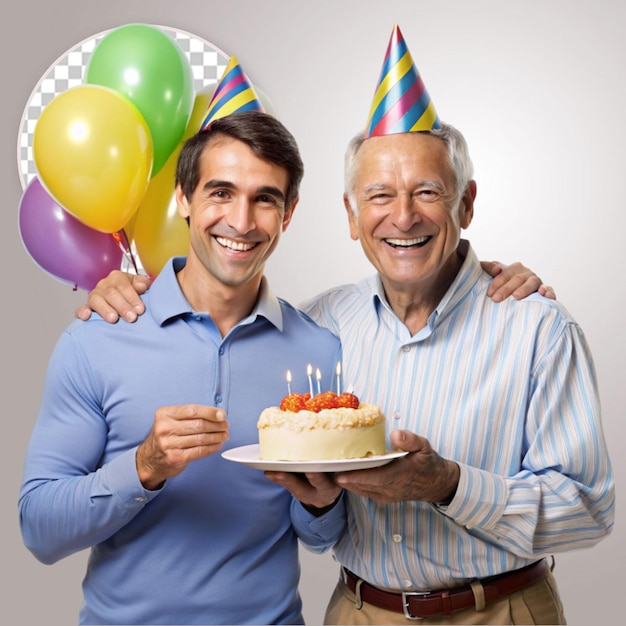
<point x="538" y="604"/>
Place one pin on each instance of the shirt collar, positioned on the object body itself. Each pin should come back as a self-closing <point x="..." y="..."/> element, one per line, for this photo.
<point x="167" y="300"/>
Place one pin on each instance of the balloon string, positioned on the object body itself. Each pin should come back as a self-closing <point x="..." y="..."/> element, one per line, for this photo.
<point x="122" y="240"/>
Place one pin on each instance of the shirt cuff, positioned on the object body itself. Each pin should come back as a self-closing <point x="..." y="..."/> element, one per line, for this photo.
<point x="322" y="528"/>
<point x="123" y="482"/>
<point x="480" y="499"/>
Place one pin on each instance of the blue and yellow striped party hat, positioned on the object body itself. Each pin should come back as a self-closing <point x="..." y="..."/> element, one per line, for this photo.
<point x="234" y="93"/>
<point x="401" y="103"/>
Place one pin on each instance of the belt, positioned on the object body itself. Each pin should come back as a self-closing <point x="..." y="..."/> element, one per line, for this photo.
<point x="420" y="605"/>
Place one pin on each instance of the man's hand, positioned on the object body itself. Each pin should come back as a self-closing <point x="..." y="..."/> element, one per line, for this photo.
<point x="421" y="475"/>
<point x="515" y="280"/>
<point x="116" y="295"/>
<point x="313" y="490"/>
<point x="180" y="434"/>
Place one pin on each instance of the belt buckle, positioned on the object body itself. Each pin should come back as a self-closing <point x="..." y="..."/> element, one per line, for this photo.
<point x="405" y="603"/>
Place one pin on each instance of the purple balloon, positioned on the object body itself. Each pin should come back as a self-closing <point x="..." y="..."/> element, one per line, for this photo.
<point x="62" y="245"/>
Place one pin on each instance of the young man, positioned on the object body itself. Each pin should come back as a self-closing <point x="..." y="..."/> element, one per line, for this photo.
<point x="124" y="458"/>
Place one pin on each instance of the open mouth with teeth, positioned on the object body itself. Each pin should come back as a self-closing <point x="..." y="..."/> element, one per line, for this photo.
<point x="237" y="246"/>
<point x="416" y="242"/>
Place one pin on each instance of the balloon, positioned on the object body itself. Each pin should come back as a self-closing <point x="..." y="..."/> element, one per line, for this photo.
<point x="149" y="68"/>
<point x="93" y="154"/>
<point x="158" y="230"/>
<point x="61" y="245"/>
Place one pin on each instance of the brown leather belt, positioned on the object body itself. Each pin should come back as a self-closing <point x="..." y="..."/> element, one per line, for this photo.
<point x="420" y="605"/>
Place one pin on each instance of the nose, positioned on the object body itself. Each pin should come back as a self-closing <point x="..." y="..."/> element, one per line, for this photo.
<point x="404" y="212"/>
<point x="240" y="216"/>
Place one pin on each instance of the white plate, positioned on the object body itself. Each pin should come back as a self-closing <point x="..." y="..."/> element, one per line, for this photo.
<point x="249" y="455"/>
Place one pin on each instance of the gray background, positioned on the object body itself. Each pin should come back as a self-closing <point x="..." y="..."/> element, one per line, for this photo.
<point x="536" y="86"/>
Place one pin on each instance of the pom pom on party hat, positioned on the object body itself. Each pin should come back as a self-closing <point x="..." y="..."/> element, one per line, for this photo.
<point x="233" y="94"/>
<point x="401" y="103"/>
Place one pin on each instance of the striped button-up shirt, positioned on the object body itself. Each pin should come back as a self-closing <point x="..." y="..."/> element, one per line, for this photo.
<point x="507" y="390"/>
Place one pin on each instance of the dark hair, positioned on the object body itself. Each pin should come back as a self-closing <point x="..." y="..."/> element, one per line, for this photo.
<point x="265" y="136"/>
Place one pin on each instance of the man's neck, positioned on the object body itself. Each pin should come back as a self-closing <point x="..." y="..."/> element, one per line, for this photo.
<point x="414" y="304"/>
<point x="226" y="304"/>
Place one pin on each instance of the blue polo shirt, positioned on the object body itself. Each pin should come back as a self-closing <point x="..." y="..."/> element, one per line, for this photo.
<point x="218" y="543"/>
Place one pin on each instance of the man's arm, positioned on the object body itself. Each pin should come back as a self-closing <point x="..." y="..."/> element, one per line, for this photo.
<point x="563" y="495"/>
<point x="70" y="499"/>
<point x="117" y="295"/>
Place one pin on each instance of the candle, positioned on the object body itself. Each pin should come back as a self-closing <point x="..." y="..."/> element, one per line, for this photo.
<point x="309" y="372"/>
<point x="288" y="382"/>
<point x="338" y="372"/>
<point x="318" y="376"/>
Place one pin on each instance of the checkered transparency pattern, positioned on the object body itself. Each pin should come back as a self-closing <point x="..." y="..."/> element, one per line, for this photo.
<point x="207" y="64"/>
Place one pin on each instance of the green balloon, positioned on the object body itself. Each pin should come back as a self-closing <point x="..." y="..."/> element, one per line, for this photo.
<point x="145" y="65"/>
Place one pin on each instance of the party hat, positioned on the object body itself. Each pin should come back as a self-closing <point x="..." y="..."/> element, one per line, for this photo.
<point x="234" y="93"/>
<point x="401" y="103"/>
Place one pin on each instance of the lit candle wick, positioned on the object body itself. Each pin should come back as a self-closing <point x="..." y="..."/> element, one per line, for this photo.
<point x="309" y="372"/>
<point x="318" y="376"/>
<point x="288" y="382"/>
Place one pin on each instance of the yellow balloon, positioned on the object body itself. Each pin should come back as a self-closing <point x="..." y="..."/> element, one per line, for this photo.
<point x="94" y="155"/>
<point x="158" y="230"/>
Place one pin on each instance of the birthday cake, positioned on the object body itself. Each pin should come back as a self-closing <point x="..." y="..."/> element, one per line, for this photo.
<point x="326" y="426"/>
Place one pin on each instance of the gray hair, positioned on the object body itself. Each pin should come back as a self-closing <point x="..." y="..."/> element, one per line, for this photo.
<point x="458" y="155"/>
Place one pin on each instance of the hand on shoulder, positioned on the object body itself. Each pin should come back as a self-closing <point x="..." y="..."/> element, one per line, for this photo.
<point x="115" y="296"/>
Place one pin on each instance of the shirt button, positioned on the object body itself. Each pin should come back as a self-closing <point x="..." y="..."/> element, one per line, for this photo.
<point x="139" y="499"/>
<point x="396" y="415"/>
<point x="397" y="538"/>
<point x="406" y="349"/>
<point x="221" y="351"/>
<point x="407" y="583"/>
<point x="218" y="399"/>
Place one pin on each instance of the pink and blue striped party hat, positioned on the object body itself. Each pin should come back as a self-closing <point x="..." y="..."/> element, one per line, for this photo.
<point x="233" y="94"/>
<point x="401" y="103"/>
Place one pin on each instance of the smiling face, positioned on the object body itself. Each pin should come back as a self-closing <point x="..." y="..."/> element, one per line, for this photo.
<point x="236" y="215"/>
<point x="409" y="215"/>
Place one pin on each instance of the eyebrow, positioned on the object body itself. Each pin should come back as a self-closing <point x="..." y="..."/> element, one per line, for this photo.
<point x="214" y="183"/>
<point x="432" y="183"/>
<point x="375" y="187"/>
<point x="422" y="183"/>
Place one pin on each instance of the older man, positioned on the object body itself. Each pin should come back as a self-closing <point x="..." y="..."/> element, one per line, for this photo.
<point x="496" y="404"/>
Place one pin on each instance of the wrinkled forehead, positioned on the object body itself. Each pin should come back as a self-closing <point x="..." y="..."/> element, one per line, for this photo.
<point x="406" y="156"/>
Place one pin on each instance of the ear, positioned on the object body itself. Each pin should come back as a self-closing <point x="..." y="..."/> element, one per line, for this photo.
<point x="181" y="203"/>
<point x="466" y="209"/>
<point x="352" y="220"/>
<point x="289" y="214"/>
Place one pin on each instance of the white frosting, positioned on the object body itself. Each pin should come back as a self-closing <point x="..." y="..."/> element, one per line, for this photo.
<point x="330" y="434"/>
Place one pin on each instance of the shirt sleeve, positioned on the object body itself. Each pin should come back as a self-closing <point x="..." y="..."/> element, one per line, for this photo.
<point x="319" y="534"/>
<point x="70" y="498"/>
<point x="562" y="497"/>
